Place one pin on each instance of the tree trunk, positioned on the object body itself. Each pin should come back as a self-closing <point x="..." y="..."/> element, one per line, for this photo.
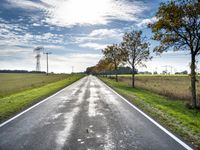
<point x="193" y="82"/>
<point x="116" y="76"/>
<point x="133" y="77"/>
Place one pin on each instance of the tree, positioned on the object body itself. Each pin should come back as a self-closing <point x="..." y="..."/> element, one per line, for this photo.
<point x="115" y="55"/>
<point x="178" y="27"/>
<point x="137" y="50"/>
<point x="104" y="65"/>
<point x="91" y="70"/>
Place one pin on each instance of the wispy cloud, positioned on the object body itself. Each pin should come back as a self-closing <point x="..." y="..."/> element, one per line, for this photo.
<point x="98" y="39"/>
<point x="15" y="34"/>
<point x="106" y="33"/>
<point x="91" y="12"/>
<point x="147" y="21"/>
<point x="96" y="46"/>
<point x="26" y="4"/>
<point x="83" y="12"/>
<point x="99" y="35"/>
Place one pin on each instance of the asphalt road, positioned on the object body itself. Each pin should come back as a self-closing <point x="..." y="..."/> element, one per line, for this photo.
<point x="86" y="115"/>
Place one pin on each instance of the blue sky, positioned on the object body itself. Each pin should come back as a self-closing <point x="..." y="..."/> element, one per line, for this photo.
<point x="75" y="31"/>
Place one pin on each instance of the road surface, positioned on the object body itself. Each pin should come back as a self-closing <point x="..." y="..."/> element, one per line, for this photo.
<point x="87" y="115"/>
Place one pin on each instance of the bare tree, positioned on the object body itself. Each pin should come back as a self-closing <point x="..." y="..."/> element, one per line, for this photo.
<point x="137" y="50"/>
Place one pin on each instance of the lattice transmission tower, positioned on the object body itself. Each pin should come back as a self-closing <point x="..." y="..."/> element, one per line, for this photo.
<point x="38" y="51"/>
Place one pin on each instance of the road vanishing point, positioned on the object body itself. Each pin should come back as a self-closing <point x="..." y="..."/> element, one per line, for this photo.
<point x="87" y="115"/>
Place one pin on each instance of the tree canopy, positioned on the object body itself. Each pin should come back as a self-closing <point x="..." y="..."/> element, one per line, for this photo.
<point x="178" y="27"/>
<point x="136" y="49"/>
<point x="115" y="55"/>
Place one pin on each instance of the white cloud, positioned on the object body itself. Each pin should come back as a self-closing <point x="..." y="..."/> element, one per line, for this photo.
<point x="25" y="4"/>
<point x="15" y="34"/>
<point x="91" y="12"/>
<point x="11" y="50"/>
<point x="147" y="21"/>
<point x="53" y="47"/>
<point x="15" y="41"/>
<point x="92" y="39"/>
<point x="106" y="33"/>
<point x="36" y="24"/>
<point x="99" y="34"/>
<point x="96" y="46"/>
<point x="67" y="13"/>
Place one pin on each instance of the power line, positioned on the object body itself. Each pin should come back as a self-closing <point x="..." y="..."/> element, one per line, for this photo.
<point x="72" y="69"/>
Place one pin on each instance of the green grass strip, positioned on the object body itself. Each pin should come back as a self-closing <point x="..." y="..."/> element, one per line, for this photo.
<point x="15" y="103"/>
<point x="172" y="114"/>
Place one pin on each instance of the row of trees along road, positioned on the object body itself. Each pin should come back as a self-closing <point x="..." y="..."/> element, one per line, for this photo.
<point x="133" y="50"/>
<point x="177" y="27"/>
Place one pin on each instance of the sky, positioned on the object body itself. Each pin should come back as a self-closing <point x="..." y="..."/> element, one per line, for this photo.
<point x="75" y="32"/>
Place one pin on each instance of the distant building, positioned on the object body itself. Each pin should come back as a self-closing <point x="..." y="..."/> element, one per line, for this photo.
<point x="144" y="72"/>
<point x="123" y="70"/>
<point x="183" y="72"/>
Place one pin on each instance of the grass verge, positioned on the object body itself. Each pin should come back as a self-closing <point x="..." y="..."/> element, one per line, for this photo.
<point x="15" y="103"/>
<point x="170" y="113"/>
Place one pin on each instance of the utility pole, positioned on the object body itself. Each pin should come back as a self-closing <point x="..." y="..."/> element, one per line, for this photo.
<point x="175" y="70"/>
<point x="170" y="68"/>
<point x="47" y="55"/>
<point x="72" y="69"/>
<point x="156" y="70"/>
<point x="165" y="69"/>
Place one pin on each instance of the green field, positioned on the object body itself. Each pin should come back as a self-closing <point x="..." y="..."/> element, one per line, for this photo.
<point x="16" y="82"/>
<point x="30" y="89"/>
<point x="173" y="86"/>
<point x="171" y="113"/>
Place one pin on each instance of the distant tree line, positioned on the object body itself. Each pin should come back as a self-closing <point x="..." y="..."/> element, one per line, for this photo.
<point x="182" y="72"/>
<point x="20" y="71"/>
<point x="120" y="70"/>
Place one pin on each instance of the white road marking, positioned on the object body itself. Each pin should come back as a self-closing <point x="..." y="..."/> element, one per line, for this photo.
<point x="153" y="121"/>
<point x="46" y="99"/>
